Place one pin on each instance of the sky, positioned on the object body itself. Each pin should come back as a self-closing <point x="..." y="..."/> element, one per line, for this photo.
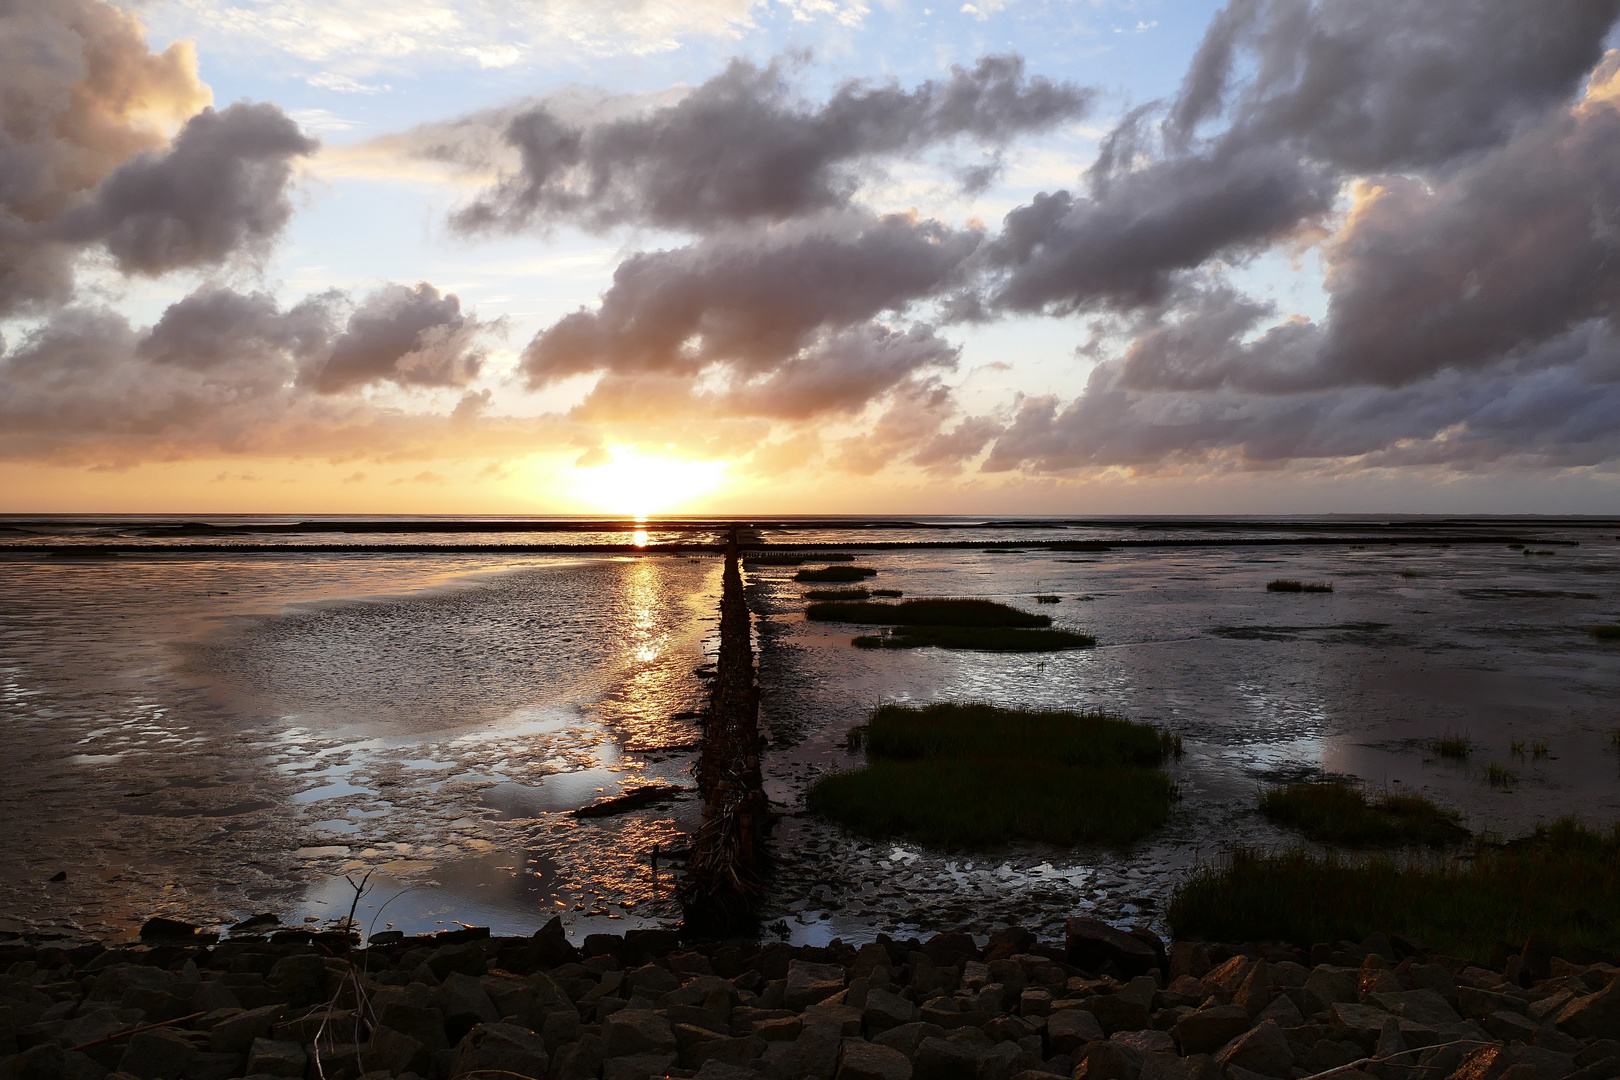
<point x="809" y="256"/>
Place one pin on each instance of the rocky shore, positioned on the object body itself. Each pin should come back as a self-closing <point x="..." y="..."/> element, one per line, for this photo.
<point x="1102" y="1005"/>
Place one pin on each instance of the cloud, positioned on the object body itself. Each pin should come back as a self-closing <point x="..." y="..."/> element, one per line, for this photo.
<point x="219" y="190"/>
<point x="740" y="147"/>
<point x="406" y="336"/>
<point x="80" y="93"/>
<point x="785" y="320"/>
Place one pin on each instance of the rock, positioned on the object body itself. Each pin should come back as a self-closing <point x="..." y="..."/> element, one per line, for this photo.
<point x="151" y="1055"/>
<point x="1189" y="959"/>
<point x="907" y="1037"/>
<point x="1283" y="1010"/>
<point x="1108" y="1060"/>
<point x="465" y="1005"/>
<point x="1035" y="1001"/>
<point x="871" y="1061"/>
<point x="551" y="945"/>
<point x="810" y="983"/>
<point x="1116" y="1012"/>
<point x="1535" y="959"/>
<point x="636" y="1031"/>
<point x="1506" y="1025"/>
<point x="1423" y="1007"/>
<point x="1171" y="1067"/>
<point x="583" y="1059"/>
<point x="650" y="981"/>
<point x="952" y="949"/>
<point x="840" y="1018"/>
<point x="1263" y="1050"/>
<point x="1147" y="1041"/>
<point x="1364" y="1023"/>
<point x="637" y="1066"/>
<point x="1603" y="1069"/>
<point x="942" y="1059"/>
<point x="463" y="958"/>
<point x="1006" y="1060"/>
<point x="300" y="979"/>
<point x="1067" y="1030"/>
<point x="398" y="1052"/>
<point x="1481" y="1003"/>
<point x="501" y="1047"/>
<point x="1326" y="985"/>
<point x="236" y="1035"/>
<point x="1254" y="994"/>
<point x="42" y="1062"/>
<point x="779" y="1028"/>
<point x="1486" y="1063"/>
<point x="1547" y="1064"/>
<point x="729" y="1050"/>
<point x="425" y="1024"/>
<point x="1091" y="943"/>
<point x="885" y="1010"/>
<point x="160" y="929"/>
<point x="813" y="1054"/>
<point x="716" y="1070"/>
<point x="205" y="1066"/>
<point x="269" y="1057"/>
<point x="1593" y="1016"/>
<point x="1597" y="1051"/>
<point x="1206" y="1030"/>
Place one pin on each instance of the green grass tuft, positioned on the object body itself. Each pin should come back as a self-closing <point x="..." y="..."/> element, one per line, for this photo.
<point x="970" y="775"/>
<point x="1338" y="813"/>
<point x="1499" y="776"/>
<point x="835" y="573"/>
<point x="1606" y="633"/>
<point x="975" y="613"/>
<point x="1287" y="585"/>
<point x="834" y="595"/>
<point x="1455" y="747"/>
<point x="1539" y="750"/>
<point x="892" y="593"/>
<point x="1049" y="599"/>
<point x="1563" y="883"/>
<point x="1078" y="545"/>
<point x="1516" y="748"/>
<point x="980" y="638"/>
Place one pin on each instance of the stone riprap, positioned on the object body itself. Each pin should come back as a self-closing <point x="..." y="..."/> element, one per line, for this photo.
<point x="1102" y="1005"/>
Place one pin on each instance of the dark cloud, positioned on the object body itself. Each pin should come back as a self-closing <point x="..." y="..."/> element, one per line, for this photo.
<point x="787" y="316"/>
<point x="406" y="336"/>
<point x="745" y="147"/>
<point x="80" y="93"/>
<point x="1369" y="85"/>
<point x="218" y="190"/>
<point x="217" y="327"/>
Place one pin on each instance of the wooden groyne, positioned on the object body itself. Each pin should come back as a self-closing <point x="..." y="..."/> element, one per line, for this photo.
<point x="723" y="883"/>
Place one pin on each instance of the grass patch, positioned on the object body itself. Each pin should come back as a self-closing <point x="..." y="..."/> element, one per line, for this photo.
<point x="1288" y="585"/>
<point x="975" y="775"/>
<point x="1078" y="545"/>
<point x="1338" y="813"/>
<point x="980" y="638"/>
<point x="1516" y="748"/>
<point x="971" y="613"/>
<point x="1539" y="750"/>
<point x="1049" y="599"/>
<point x="835" y="595"/>
<point x="1499" y="776"/>
<point x="892" y="593"/>
<point x="1562" y="882"/>
<point x="835" y="573"/>
<point x="1606" y="633"/>
<point x="1454" y="747"/>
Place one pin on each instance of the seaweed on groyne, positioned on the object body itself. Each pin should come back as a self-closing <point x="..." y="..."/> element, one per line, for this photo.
<point x="723" y="880"/>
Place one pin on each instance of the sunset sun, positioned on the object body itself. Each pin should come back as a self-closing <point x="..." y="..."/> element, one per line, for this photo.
<point x="636" y="485"/>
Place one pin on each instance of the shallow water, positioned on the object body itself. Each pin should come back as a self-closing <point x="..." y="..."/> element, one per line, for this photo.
<point x="210" y="736"/>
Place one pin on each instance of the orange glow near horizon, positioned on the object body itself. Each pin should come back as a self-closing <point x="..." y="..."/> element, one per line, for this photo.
<point x="636" y="485"/>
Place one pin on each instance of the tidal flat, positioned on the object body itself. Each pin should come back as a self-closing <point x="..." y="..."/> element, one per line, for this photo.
<point x="206" y="735"/>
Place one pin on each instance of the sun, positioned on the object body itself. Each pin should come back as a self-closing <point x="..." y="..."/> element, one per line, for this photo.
<point x="636" y="485"/>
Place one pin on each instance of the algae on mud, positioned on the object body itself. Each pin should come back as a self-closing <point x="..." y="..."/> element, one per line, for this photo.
<point x="973" y="775"/>
<point x="933" y="612"/>
<point x="977" y="638"/>
<point x="1561" y="882"/>
<point x="1335" y="812"/>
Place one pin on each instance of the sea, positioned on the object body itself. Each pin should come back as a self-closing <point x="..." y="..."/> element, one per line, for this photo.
<point x="209" y="717"/>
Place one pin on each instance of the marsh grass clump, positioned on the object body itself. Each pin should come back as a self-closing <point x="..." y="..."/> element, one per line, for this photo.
<point x="1516" y="748"/>
<point x="1289" y="585"/>
<point x="1539" y="750"/>
<point x="1562" y="882"/>
<point x="890" y="593"/>
<point x="835" y="574"/>
<point x="1048" y="598"/>
<point x="1335" y="812"/>
<point x="1410" y="574"/>
<point x="972" y="775"/>
<point x="1500" y="776"/>
<point x="1606" y="633"/>
<point x="835" y="595"/>
<point x="1079" y="545"/>
<point x="943" y="612"/>
<point x="980" y="638"/>
<point x="1451" y="746"/>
